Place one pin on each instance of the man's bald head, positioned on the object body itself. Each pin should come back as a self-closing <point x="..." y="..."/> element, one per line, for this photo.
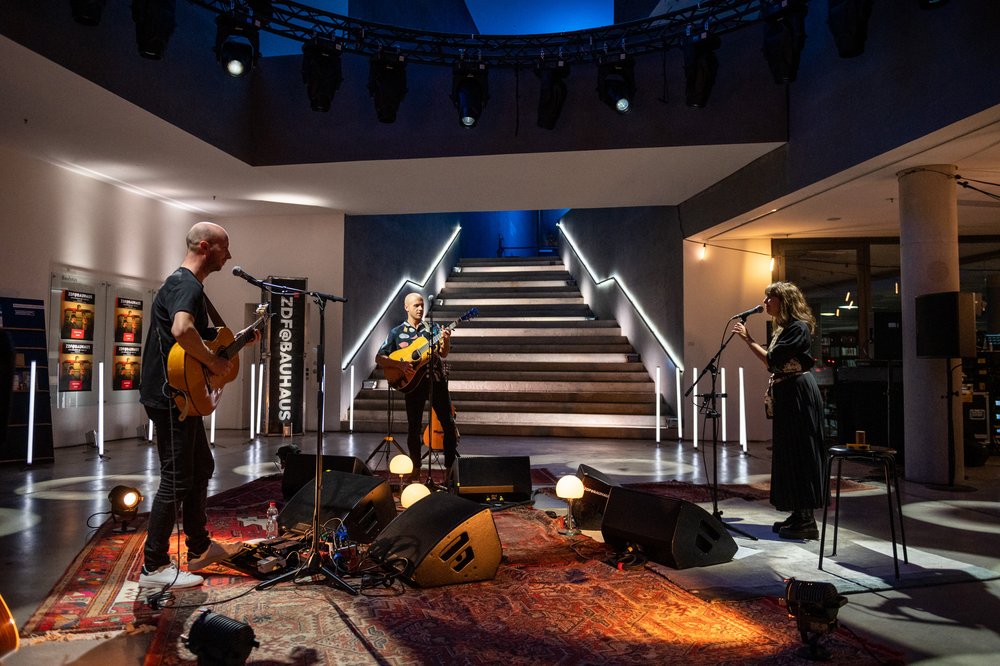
<point x="204" y="231"/>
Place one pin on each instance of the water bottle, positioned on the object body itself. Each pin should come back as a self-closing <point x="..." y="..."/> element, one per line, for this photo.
<point x="271" y="527"/>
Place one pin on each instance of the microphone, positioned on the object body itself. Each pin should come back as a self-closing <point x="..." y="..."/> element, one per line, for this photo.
<point x="239" y="272"/>
<point x="741" y="316"/>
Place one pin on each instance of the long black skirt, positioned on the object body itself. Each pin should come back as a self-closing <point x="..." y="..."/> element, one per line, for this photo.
<point x="797" y="448"/>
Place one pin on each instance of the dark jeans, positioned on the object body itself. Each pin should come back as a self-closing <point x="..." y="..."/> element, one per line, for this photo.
<point x="416" y="400"/>
<point x="186" y="465"/>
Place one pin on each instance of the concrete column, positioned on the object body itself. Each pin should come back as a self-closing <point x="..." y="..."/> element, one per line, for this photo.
<point x="928" y="250"/>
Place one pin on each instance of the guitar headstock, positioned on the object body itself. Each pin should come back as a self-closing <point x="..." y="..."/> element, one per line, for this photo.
<point x="473" y="312"/>
<point x="263" y="309"/>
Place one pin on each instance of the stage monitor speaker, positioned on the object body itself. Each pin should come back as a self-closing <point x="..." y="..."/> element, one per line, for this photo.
<point x="946" y="325"/>
<point x="670" y="531"/>
<point x="441" y="540"/>
<point x="364" y="504"/>
<point x="300" y="469"/>
<point x="490" y="478"/>
<point x="588" y="511"/>
<point x="887" y="336"/>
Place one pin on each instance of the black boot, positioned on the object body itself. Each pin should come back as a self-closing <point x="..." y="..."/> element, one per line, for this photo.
<point x="784" y="523"/>
<point x="802" y="526"/>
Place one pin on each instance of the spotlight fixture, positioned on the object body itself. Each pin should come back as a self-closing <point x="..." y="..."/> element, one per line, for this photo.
<point x="616" y="81"/>
<point x="87" y="12"/>
<point x="237" y="41"/>
<point x="154" y="23"/>
<point x="217" y="639"/>
<point x="387" y="84"/>
<point x="700" y="68"/>
<point x="321" y="71"/>
<point x="469" y="91"/>
<point x="125" y="503"/>
<point x="814" y="607"/>
<point x="553" y="93"/>
<point x="784" y="38"/>
<point x="848" y="21"/>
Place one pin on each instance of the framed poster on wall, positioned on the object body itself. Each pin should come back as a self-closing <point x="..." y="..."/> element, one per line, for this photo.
<point x="77" y="321"/>
<point x="128" y="320"/>
<point x="126" y="368"/>
<point x="76" y="366"/>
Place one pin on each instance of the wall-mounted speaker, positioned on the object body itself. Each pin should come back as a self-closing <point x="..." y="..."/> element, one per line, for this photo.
<point x="441" y="540"/>
<point x="946" y="325"/>
<point x="588" y="511"/>
<point x="488" y="478"/>
<point x="300" y="469"/>
<point x="364" y="504"/>
<point x="670" y="531"/>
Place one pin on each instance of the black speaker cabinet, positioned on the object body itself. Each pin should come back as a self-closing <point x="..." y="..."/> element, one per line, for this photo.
<point x="588" y="511"/>
<point x="487" y="478"/>
<point x="946" y="325"/>
<point x="363" y="503"/>
<point x="300" y="469"/>
<point x="670" y="531"/>
<point x="444" y="540"/>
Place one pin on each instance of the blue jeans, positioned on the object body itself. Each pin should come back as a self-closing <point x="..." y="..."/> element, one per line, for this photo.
<point x="186" y="465"/>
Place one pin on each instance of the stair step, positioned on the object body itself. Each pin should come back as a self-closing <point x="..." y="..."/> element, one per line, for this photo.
<point x="547" y="361"/>
<point x="491" y="290"/>
<point x="497" y="300"/>
<point x="512" y="268"/>
<point x="377" y="406"/>
<point x="667" y="432"/>
<point x="510" y="261"/>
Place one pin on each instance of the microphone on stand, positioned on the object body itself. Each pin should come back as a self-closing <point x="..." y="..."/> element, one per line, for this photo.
<point x="239" y="272"/>
<point x="741" y="316"/>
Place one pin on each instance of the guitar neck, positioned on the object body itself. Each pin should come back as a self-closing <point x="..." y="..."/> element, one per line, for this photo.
<point x="241" y="339"/>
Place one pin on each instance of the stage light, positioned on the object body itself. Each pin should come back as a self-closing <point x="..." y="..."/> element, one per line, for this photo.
<point x="87" y="12"/>
<point x="154" y="23"/>
<point x="616" y="81"/>
<point x="412" y="494"/>
<point x="569" y="488"/>
<point x="700" y="68"/>
<point x="552" y="94"/>
<point x="784" y="38"/>
<point x="814" y="607"/>
<point x="217" y="639"/>
<point x="125" y="503"/>
<point x="848" y="21"/>
<point x="237" y="42"/>
<point x="469" y="91"/>
<point x="401" y="465"/>
<point x="321" y="71"/>
<point x="387" y="84"/>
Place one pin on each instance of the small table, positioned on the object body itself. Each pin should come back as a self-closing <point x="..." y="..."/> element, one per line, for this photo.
<point x="873" y="455"/>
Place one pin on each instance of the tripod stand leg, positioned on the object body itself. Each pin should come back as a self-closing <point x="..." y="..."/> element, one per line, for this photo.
<point x="313" y="567"/>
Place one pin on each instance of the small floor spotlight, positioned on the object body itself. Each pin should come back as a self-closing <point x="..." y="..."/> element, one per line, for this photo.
<point x="87" y="12"/>
<point x="848" y="21"/>
<point x="154" y="23"/>
<point x="217" y="639"/>
<point x="616" y="81"/>
<point x="552" y="94"/>
<point x="814" y="607"/>
<point x="321" y="71"/>
<point x="125" y="503"/>
<point x="237" y="42"/>
<point x="700" y="68"/>
<point x="469" y="91"/>
<point x="784" y="38"/>
<point x="387" y="84"/>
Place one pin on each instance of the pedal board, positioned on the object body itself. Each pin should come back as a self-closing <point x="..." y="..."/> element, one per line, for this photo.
<point x="268" y="558"/>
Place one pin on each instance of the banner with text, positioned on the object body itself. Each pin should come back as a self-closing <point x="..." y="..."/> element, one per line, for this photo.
<point x="286" y="359"/>
<point x="76" y="366"/>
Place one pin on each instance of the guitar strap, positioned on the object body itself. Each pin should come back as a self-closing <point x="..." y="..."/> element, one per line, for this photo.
<point x="213" y="314"/>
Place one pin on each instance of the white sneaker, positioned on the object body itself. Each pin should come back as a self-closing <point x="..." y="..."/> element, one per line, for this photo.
<point x="170" y="575"/>
<point x="216" y="553"/>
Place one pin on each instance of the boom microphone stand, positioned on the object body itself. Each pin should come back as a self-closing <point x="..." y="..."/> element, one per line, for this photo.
<point x="429" y="318"/>
<point x="708" y="408"/>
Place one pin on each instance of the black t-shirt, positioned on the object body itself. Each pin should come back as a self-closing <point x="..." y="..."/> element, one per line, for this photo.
<point x="181" y="292"/>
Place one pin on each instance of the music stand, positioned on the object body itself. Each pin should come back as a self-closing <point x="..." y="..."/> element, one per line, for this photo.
<point x="383" y="451"/>
<point x="316" y="565"/>
<point x="708" y="408"/>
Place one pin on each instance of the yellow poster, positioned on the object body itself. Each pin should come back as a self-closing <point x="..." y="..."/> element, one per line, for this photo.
<point x="125" y="376"/>
<point x="77" y="315"/>
<point x="76" y="366"/>
<point x="128" y="320"/>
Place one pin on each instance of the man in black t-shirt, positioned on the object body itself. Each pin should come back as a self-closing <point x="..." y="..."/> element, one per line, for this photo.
<point x="180" y="315"/>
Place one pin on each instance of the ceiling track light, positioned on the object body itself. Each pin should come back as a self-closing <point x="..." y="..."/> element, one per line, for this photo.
<point x="321" y="71"/>
<point x="848" y="21"/>
<point x="552" y="93"/>
<point x="784" y="38"/>
<point x="616" y="81"/>
<point x="237" y="41"/>
<point x="700" y="68"/>
<point x="154" y="24"/>
<point x="387" y="84"/>
<point x="469" y="91"/>
<point x="87" y="12"/>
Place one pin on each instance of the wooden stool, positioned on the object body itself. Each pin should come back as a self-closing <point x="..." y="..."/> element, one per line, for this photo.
<point x="875" y="455"/>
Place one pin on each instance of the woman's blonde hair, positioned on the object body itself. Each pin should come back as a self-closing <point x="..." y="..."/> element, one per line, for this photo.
<point x="793" y="305"/>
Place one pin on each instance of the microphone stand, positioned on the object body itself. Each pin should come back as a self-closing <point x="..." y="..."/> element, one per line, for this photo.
<point x="429" y="310"/>
<point x="708" y="408"/>
<point x="318" y="564"/>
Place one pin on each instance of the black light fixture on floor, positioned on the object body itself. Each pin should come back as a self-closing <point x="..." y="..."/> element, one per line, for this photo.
<point x="237" y="41"/>
<point x="154" y="23"/>
<point x="784" y="38"/>
<point x="848" y="21"/>
<point x="616" y="81"/>
<point x="125" y="503"/>
<point x="217" y="639"/>
<point x="321" y="71"/>
<point x="387" y="84"/>
<point x="469" y="91"/>
<point x="814" y="607"/>
<point x="87" y="12"/>
<point x="700" y="67"/>
<point x="552" y="94"/>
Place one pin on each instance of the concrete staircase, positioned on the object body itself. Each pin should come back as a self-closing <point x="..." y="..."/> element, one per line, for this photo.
<point x="535" y="362"/>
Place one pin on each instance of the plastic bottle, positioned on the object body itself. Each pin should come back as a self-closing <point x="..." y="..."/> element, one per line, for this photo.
<point x="271" y="527"/>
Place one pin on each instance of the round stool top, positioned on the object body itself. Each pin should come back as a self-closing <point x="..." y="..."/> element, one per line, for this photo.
<point x="866" y="452"/>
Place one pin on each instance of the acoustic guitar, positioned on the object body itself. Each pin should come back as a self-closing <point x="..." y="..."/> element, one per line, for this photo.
<point x="199" y="389"/>
<point x="434" y="433"/>
<point x="418" y="353"/>
<point x="9" y="640"/>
